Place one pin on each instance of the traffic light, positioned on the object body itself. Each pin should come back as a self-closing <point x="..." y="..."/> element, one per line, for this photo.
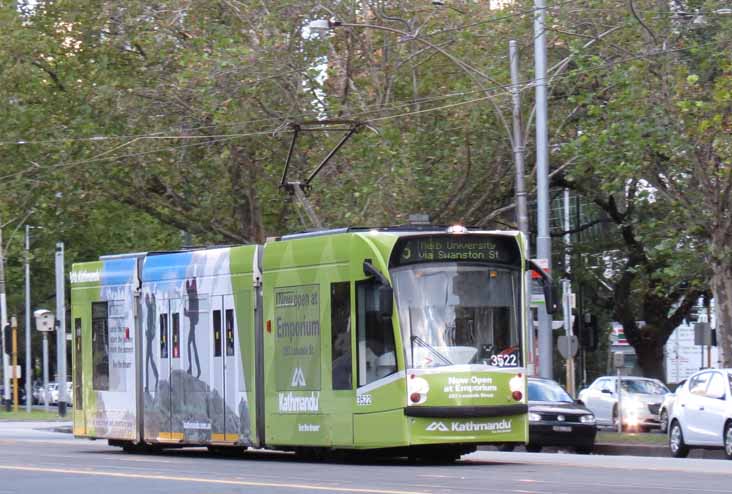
<point x="692" y="316"/>
<point x="585" y="326"/>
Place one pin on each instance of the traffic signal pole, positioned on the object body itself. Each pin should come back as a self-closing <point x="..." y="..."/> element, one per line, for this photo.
<point x="4" y="322"/>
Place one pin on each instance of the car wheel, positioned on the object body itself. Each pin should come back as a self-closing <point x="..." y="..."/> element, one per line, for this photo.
<point x="676" y="443"/>
<point x="533" y="448"/>
<point x="728" y="441"/>
<point x="664" y="420"/>
<point x="584" y="450"/>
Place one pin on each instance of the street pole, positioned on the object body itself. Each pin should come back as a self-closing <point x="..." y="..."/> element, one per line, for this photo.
<point x="580" y="299"/>
<point x="60" y="330"/>
<point x="45" y="371"/>
<point x="4" y="321"/>
<point x="543" y="241"/>
<point x="619" y="384"/>
<point x="27" y="322"/>
<point x="522" y="211"/>
<point x="14" y="360"/>
<point x="567" y="285"/>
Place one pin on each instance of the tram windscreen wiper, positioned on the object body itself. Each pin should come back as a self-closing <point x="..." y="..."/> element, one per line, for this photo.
<point x="431" y="349"/>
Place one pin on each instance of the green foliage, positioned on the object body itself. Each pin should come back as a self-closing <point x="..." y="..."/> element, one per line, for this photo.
<point x="192" y="100"/>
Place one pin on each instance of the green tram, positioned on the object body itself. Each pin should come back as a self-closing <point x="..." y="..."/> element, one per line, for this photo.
<point x="405" y="340"/>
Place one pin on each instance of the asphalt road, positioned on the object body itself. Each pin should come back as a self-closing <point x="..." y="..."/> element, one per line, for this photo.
<point x="36" y="460"/>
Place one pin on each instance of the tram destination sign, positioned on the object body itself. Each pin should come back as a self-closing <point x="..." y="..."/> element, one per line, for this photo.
<point x="454" y="248"/>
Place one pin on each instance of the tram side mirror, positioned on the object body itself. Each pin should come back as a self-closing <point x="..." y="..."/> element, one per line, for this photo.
<point x="547" y="285"/>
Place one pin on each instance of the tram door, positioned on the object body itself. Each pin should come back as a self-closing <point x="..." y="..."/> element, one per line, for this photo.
<point x="177" y="368"/>
<point x="225" y="425"/>
<point x="170" y="368"/>
<point x="164" y="370"/>
<point x="78" y="364"/>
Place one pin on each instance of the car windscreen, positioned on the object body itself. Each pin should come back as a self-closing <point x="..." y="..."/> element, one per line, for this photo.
<point x="642" y="386"/>
<point x="548" y="391"/>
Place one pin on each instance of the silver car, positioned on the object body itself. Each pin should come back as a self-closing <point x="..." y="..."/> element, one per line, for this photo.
<point x="640" y="402"/>
<point x="667" y="406"/>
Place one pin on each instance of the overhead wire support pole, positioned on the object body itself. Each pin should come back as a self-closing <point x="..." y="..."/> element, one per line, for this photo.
<point x="522" y="213"/>
<point x="543" y="241"/>
<point x="4" y="326"/>
<point x="27" y="328"/>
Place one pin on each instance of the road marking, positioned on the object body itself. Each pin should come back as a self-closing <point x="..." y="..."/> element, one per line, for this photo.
<point x="311" y="487"/>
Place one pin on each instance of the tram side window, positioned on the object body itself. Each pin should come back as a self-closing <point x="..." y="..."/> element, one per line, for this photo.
<point x="376" y="349"/>
<point x="217" y="332"/>
<point x="100" y="346"/>
<point x="176" y="335"/>
<point x="229" y="332"/>
<point x="163" y="336"/>
<point x="340" y="334"/>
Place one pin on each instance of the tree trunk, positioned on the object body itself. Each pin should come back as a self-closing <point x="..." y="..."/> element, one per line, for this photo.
<point x="650" y="357"/>
<point x="722" y="288"/>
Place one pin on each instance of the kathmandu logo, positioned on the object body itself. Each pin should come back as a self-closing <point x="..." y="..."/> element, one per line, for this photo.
<point x="437" y="426"/>
<point x="298" y="378"/>
<point x="291" y="403"/>
<point x="493" y="427"/>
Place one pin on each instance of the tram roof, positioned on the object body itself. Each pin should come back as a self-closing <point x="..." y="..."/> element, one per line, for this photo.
<point x="401" y="230"/>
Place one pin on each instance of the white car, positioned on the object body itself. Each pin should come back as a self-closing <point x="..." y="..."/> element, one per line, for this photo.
<point x="667" y="406"/>
<point x="640" y="401"/>
<point x="702" y="413"/>
<point x="52" y="391"/>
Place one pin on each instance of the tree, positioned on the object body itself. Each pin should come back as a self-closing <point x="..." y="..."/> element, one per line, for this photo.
<point x="177" y="113"/>
<point x="646" y="157"/>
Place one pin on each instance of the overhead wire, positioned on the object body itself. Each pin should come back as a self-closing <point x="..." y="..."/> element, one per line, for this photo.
<point x="103" y="155"/>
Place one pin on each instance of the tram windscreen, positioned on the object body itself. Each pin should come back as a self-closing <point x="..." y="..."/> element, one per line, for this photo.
<point x="455" y="313"/>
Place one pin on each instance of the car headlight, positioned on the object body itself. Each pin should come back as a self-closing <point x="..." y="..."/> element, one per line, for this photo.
<point x="633" y="405"/>
<point x="534" y="417"/>
<point x="587" y="419"/>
